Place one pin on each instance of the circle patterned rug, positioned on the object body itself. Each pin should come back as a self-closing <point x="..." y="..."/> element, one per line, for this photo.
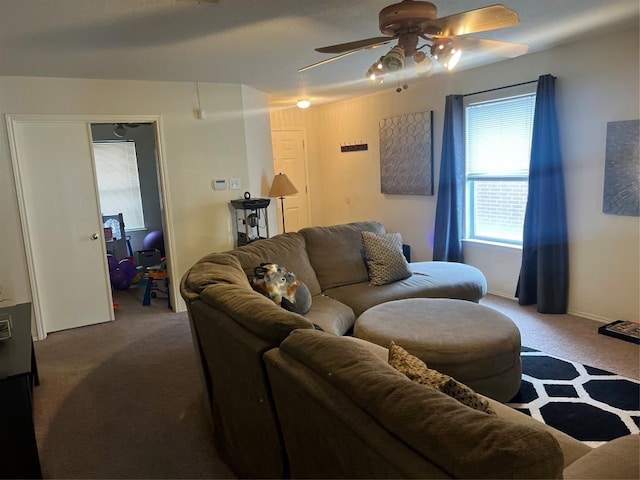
<point x="590" y="404"/>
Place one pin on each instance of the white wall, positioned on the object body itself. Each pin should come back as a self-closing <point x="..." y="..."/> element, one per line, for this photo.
<point x="259" y="152"/>
<point x="594" y="87"/>
<point x="196" y="152"/>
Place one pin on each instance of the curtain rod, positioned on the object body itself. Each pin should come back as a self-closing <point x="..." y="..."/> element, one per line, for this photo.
<point x="500" y="88"/>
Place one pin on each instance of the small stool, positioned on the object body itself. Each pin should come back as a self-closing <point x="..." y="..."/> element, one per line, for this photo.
<point x="474" y="344"/>
<point x="152" y="276"/>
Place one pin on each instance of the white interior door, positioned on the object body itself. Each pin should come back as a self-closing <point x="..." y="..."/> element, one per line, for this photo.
<point x="289" y="158"/>
<point x="61" y="222"/>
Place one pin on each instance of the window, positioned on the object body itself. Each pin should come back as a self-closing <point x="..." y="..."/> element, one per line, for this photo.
<point x="498" y="147"/>
<point x="118" y="182"/>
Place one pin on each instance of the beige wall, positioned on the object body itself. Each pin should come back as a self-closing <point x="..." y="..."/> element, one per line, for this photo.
<point x="594" y="87"/>
<point x="196" y="152"/>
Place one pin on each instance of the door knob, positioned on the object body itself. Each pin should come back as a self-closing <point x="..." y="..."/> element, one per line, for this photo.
<point x="94" y="236"/>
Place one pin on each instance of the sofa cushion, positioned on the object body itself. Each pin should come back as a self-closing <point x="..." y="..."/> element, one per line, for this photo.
<point x="385" y="261"/>
<point x="330" y="315"/>
<point x="618" y="458"/>
<point x="434" y="280"/>
<point x="461" y="441"/>
<point x="288" y="250"/>
<point x="336" y="252"/>
<point x="416" y="370"/>
<point x="572" y="449"/>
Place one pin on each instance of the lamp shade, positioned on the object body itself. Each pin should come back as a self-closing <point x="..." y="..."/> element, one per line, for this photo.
<point x="282" y="186"/>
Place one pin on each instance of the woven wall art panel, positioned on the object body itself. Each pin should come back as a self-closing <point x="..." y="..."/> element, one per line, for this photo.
<point x="622" y="169"/>
<point x="406" y="154"/>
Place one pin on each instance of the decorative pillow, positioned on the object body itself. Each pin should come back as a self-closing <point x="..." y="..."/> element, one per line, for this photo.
<point x="416" y="370"/>
<point x="281" y="286"/>
<point x="385" y="261"/>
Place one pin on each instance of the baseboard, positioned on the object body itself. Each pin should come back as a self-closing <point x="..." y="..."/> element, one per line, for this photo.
<point x="575" y="313"/>
<point x="508" y="296"/>
<point x="590" y="316"/>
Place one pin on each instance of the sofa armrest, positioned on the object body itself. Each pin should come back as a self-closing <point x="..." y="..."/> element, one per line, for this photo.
<point x="618" y="458"/>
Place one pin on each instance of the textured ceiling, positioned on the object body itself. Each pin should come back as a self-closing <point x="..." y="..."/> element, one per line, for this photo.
<point x="259" y="43"/>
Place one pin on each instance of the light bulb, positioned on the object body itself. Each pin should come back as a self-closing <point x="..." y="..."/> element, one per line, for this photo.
<point x="304" y="103"/>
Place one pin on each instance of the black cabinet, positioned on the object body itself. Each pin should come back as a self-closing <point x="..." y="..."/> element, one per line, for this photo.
<point x="18" y="374"/>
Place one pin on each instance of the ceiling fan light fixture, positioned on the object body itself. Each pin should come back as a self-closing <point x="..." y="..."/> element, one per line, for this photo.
<point x="376" y="71"/>
<point x="445" y="53"/>
<point x="394" y="60"/>
<point x="454" y="59"/>
<point x="422" y="63"/>
<point x="303" y="103"/>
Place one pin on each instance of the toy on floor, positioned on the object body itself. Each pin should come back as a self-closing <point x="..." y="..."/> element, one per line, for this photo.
<point x="121" y="273"/>
<point x="154" y="275"/>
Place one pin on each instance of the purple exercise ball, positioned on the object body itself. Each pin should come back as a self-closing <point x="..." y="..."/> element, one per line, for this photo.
<point x="154" y="239"/>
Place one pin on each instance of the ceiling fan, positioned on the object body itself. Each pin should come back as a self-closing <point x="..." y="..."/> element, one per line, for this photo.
<point x="120" y="130"/>
<point x="411" y="21"/>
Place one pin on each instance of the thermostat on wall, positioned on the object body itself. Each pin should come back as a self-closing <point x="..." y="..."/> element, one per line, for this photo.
<point x="220" y="184"/>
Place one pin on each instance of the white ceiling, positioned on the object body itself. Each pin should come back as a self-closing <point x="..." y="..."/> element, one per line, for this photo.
<point x="260" y="43"/>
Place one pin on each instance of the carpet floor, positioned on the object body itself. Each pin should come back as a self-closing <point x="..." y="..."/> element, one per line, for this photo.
<point x="123" y="399"/>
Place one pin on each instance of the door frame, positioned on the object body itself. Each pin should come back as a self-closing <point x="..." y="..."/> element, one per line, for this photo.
<point x="167" y="216"/>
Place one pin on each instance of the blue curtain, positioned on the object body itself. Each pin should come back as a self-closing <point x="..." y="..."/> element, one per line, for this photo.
<point x="544" y="274"/>
<point x="447" y="241"/>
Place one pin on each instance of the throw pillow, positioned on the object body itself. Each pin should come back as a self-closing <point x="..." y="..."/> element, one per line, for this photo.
<point x="277" y="283"/>
<point x="416" y="370"/>
<point x="385" y="261"/>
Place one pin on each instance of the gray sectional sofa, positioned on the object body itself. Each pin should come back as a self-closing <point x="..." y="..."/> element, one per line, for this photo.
<point x="288" y="400"/>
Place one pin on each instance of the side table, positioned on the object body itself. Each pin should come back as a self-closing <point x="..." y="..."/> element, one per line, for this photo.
<point x="18" y="375"/>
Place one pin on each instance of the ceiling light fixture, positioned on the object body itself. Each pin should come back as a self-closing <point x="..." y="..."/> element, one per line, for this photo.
<point x="422" y="63"/>
<point x="394" y="60"/>
<point x="303" y="103"/>
<point x="399" y="58"/>
<point x="445" y="53"/>
<point x="376" y="71"/>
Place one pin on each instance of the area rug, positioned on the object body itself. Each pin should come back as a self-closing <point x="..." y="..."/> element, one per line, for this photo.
<point x="590" y="404"/>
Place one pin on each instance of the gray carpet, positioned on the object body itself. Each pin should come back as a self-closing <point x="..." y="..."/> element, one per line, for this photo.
<point x="122" y="399"/>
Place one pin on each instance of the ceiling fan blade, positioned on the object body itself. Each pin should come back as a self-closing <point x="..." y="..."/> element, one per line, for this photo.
<point x="357" y="45"/>
<point x="327" y="60"/>
<point x="472" y="21"/>
<point x="491" y="47"/>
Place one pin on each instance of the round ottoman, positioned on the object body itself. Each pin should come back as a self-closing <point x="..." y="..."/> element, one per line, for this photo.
<point x="474" y="344"/>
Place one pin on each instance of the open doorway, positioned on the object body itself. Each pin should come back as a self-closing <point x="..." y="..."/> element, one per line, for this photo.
<point x="126" y="163"/>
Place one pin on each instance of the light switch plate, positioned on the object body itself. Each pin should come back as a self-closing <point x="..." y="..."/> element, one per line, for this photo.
<point x="220" y="184"/>
<point x="234" y="183"/>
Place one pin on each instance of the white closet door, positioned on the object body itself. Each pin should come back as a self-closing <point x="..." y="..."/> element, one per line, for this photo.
<point x="61" y="220"/>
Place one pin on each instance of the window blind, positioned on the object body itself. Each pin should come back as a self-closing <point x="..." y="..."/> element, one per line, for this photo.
<point x="499" y="136"/>
<point x="118" y="181"/>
